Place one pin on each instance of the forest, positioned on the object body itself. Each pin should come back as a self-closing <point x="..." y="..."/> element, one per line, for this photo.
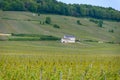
<point x="57" y="7"/>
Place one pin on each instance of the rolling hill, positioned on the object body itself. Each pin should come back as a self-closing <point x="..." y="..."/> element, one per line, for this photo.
<point x="27" y="23"/>
<point x="53" y="60"/>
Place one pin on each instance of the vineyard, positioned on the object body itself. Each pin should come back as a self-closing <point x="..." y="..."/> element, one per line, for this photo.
<point x="59" y="67"/>
<point x="48" y="61"/>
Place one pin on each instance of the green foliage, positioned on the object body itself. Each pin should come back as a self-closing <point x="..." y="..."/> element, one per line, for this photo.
<point x="93" y="20"/>
<point x="26" y="35"/>
<point x="48" y="20"/>
<point x="55" y="7"/>
<point x="90" y="40"/>
<point x="49" y="38"/>
<point x="111" y="42"/>
<point x="32" y="37"/>
<point x="31" y="6"/>
<point x="24" y="39"/>
<point x="38" y="14"/>
<point x="56" y="26"/>
<point x="100" y="23"/>
<point x="42" y="22"/>
<point x="112" y="31"/>
<point x="17" y="6"/>
<point x="78" y="22"/>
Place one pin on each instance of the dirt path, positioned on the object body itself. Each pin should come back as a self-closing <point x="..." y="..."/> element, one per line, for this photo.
<point x="2" y="34"/>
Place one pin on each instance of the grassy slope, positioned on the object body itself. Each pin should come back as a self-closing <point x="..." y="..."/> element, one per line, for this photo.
<point x="46" y="47"/>
<point x="20" y="59"/>
<point x="67" y="25"/>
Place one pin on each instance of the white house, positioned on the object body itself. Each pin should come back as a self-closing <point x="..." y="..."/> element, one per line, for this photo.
<point x="68" y="39"/>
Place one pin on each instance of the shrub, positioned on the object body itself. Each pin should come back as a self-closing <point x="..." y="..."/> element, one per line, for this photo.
<point x="48" y="20"/>
<point x="56" y="26"/>
<point x="94" y="21"/>
<point x="28" y="19"/>
<point x="112" y="31"/>
<point x="51" y="38"/>
<point x="90" y="40"/>
<point x="26" y="35"/>
<point x="111" y="42"/>
<point x="24" y="39"/>
<point x="32" y="37"/>
<point x="78" y="22"/>
<point x="100" y="23"/>
<point x="38" y="14"/>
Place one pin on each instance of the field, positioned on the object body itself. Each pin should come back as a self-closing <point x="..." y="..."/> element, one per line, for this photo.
<point x="29" y="58"/>
<point x="26" y="23"/>
<point x="51" y="60"/>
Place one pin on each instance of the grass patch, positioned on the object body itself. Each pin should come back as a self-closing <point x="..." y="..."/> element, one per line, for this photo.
<point x="32" y="37"/>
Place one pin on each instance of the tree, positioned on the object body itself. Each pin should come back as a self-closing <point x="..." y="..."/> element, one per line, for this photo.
<point x="5" y="5"/>
<point x="31" y="6"/>
<point x="100" y="23"/>
<point x="17" y="6"/>
<point x="78" y="22"/>
<point x="57" y="7"/>
<point x="1" y="3"/>
<point x="48" y="20"/>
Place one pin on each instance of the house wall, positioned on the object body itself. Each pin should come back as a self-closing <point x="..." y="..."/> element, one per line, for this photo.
<point x="72" y="39"/>
<point x="68" y="41"/>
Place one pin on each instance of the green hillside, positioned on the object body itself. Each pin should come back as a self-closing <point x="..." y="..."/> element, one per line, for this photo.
<point x="52" y="60"/>
<point x="26" y="23"/>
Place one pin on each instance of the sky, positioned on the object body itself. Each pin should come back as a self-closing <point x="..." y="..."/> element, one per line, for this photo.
<point x="104" y="3"/>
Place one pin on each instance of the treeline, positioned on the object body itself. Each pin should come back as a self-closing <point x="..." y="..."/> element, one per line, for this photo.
<point x="56" y="7"/>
